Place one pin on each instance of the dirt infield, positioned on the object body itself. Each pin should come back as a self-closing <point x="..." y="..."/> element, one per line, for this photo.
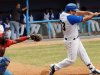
<point x="22" y="69"/>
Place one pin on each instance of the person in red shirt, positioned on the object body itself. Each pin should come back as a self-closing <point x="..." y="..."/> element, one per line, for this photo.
<point x="5" y="42"/>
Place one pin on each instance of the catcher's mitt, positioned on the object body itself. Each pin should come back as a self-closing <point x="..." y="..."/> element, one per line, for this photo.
<point x="36" y="37"/>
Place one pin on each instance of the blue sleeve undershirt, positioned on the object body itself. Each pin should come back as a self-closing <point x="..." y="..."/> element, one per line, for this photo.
<point x="74" y="19"/>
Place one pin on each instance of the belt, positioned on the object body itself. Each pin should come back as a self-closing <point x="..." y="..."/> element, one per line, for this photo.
<point x="73" y="38"/>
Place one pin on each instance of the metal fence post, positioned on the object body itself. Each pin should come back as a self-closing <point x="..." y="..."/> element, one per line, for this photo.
<point x="89" y="27"/>
<point x="49" y="29"/>
<point x="27" y="18"/>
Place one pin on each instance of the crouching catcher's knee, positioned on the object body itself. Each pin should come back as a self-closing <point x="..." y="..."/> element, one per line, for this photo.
<point x="4" y="62"/>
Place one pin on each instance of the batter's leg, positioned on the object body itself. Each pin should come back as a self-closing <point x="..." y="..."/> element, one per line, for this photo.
<point x="72" y="48"/>
<point x="85" y="58"/>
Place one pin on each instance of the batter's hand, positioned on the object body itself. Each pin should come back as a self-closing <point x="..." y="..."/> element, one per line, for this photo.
<point x="96" y="13"/>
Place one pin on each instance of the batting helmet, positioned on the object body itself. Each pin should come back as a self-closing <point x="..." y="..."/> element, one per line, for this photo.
<point x="71" y="6"/>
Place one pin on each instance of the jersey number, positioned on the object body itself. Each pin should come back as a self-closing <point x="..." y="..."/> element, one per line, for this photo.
<point x="63" y="26"/>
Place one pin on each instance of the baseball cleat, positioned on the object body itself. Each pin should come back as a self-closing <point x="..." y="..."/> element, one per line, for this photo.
<point x="52" y="70"/>
<point x="96" y="71"/>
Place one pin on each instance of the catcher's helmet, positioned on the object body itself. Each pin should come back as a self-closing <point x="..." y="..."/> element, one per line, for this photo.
<point x="71" y="6"/>
<point x="1" y="34"/>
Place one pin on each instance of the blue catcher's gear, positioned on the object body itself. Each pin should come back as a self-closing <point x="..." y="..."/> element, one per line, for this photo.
<point x="4" y="62"/>
<point x="71" y="6"/>
<point x="7" y="72"/>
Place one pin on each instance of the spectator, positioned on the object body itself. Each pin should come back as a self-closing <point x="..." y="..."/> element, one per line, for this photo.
<point x="1" y="27"/>
<point x="95" y="26"/>
<point x="34" y="28"/>
<point x="15" y="18"/>
<point x="22" y="24"/>
<point x="7" y="30"/>
<point x="46" y="15"/>
<point x="55" y="25"/>
<point x="31" y="18"/>
<point x="51" y="14"/>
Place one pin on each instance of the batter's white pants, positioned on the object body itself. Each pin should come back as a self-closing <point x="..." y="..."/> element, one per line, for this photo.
<point x="74" y="48"/>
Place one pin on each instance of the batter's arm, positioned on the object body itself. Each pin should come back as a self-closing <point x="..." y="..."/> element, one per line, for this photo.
<point x="83" y="13"/>
<point x="88" y="17"/>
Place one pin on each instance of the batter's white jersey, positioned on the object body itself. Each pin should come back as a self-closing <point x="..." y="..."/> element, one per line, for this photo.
<point x="72" y="43"/>
<point x="70" y="31"/>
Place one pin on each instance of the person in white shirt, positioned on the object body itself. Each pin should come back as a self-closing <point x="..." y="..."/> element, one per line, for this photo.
<point x="46" y="15"/>
<point x="69" y="19"/>
<point x="34" y="28"/>
<point x="94" y="26"/>
<point x="7" y="28"/>
<point x="49" y="16"/>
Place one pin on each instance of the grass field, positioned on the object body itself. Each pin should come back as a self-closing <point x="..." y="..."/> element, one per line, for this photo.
<point x="44" y="55"/>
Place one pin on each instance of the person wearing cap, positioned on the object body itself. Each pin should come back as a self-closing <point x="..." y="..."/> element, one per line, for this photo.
<point x="5" y="43"/>
<point x="69" y="19"/>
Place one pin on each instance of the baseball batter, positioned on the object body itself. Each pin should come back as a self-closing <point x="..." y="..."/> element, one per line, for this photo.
<point x="69" y="19"/>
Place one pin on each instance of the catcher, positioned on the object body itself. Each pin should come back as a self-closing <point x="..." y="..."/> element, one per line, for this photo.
<point x="5" y="42"/>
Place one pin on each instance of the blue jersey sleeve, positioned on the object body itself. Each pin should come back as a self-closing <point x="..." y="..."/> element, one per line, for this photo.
<point x="74" y="19"/>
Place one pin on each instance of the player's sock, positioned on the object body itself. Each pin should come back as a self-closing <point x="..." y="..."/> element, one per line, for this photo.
<point x="91" y="67"/>
<point x="56" y="67"/>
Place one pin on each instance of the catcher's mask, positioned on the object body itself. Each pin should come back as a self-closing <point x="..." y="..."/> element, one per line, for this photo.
<point x="3" y="39"/>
